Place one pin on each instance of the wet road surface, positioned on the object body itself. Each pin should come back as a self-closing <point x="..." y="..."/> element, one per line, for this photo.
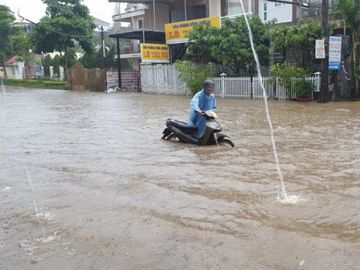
<point x="86" y="183"/>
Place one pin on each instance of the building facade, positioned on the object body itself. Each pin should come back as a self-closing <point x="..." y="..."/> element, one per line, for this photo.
<point x="154" y="14"/>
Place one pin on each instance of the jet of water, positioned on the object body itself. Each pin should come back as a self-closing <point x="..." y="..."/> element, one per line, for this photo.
<point x="283" y="194"/>
<point x="3" y="89"/>
<point x="38" y="215"/>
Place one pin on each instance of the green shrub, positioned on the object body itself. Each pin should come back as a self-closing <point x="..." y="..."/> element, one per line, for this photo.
<point x="293" y="79"/>
<point x="302" y="87"/>
<point x="193" y="75"/>
<point x="37" y="84"/>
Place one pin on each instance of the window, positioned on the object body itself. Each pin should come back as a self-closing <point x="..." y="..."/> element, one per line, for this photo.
<point x="232" y="7"/>
<point x="193" y="12"/>
<point x="265" y="12"/>
<point x="140" y="24"/>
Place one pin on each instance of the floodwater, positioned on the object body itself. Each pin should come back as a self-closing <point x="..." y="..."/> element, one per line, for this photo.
<point x="87" y="183"/>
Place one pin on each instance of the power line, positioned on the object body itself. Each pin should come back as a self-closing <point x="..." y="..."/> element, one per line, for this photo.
<point x="41" y="26"/>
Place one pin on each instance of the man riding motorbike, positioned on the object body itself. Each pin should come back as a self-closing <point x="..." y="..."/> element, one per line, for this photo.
<point x="204" y="100"/>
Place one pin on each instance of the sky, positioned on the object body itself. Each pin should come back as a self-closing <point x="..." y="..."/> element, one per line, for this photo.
<point x="35" y="9"/>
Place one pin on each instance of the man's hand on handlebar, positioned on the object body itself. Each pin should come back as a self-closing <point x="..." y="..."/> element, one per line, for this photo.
<point x="199" y="112"/>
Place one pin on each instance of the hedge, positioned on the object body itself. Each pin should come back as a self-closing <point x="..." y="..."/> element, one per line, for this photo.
<point x="37" y="84"/>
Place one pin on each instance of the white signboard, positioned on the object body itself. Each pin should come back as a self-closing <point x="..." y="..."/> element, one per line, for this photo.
<point x="319" y="49"/>
<point x="334" y="53"/>
<point x="334" y="49"/>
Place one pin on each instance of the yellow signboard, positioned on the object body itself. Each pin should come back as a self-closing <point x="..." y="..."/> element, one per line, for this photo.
<point x="177" y="32"/>
<point x="154" y="53"/>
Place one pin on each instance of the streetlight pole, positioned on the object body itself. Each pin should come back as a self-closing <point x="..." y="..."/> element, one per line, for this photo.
<point x="154" y="14"/>
<point x="185" y="9"/>
<point x="103" y="45"/>
<point x="324" y="86"/>
<point x="118" y="61"/>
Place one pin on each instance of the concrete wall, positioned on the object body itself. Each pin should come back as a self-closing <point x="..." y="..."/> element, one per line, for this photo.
<point x="282" y="13"/>
<point x="16" y="71"/>
<point x="162" y="17"/>
<point x="214" y="8"/>
<point x="161" y="79"/>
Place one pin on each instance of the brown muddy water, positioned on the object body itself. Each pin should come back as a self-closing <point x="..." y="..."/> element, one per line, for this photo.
<point x="86" y="183"/>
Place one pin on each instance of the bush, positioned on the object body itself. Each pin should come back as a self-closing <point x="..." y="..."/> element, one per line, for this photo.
<point x="302" y="87"/>
<point x="193" y="75"/>
<point x="293" y="79"/>
<point x="37" y="84"/>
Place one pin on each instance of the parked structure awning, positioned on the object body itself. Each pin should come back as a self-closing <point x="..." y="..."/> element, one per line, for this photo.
<point x="144" y="35"/>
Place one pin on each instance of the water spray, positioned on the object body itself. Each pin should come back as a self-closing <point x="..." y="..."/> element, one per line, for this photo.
<point x="3" y="90"/>
<point x="282" y="193"/>
<point x="38" y="215"/>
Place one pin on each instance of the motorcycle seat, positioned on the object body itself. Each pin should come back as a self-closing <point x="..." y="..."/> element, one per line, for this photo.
<point x="184" y="127"/>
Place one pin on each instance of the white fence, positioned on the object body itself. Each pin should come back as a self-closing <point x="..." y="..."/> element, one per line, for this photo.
<point x="243" y="87"/>
<point x="163" y="79"/>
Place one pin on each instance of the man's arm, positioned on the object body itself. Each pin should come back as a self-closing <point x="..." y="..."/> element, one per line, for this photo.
<point x="195" y="103"/>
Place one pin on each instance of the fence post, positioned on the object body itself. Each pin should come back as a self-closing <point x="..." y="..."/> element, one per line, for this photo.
<point x="251" y="87"/>
<point x="223" y="76"/>
<point x="277" y="88"/>
<point x="318" y="79"/>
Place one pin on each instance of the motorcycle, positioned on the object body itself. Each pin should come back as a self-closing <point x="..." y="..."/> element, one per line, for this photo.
<point x="183" y="132"/>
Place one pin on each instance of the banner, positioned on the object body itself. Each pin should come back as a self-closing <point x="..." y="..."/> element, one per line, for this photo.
<point x="154" y="53"/>
<point x="334" y="53"/>
<point x="177" y="32"/>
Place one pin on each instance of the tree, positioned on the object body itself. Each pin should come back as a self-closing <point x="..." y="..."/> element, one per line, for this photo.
<point x="297" y="38"/>
<point x="56" y="64"/>
<point x="8" y="28"/>
<point x="96" y="60"/>
<point x="349" y="10"/>
<point x="201" y="41"/>
<point x="22" y="47"/>
<point x="230" y="45"/>
<point x="279" y="39"/>
<point x="47" y="62"/>
<point x="66" y="23"/>
<point x="193" y="75"/>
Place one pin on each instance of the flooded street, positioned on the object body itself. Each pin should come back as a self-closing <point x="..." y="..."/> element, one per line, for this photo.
<point x="87" y="183"/>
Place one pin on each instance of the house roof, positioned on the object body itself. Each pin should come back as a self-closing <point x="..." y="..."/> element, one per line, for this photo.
<point x="11" y="61"/>
<point x="143" y="35"/>
<point x="99" y="22"/>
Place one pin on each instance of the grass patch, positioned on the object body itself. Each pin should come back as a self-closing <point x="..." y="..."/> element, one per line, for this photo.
<point x="37" y="84"/>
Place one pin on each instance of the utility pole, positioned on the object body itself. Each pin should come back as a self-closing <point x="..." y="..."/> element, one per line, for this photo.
<point x="324" y="87"/>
